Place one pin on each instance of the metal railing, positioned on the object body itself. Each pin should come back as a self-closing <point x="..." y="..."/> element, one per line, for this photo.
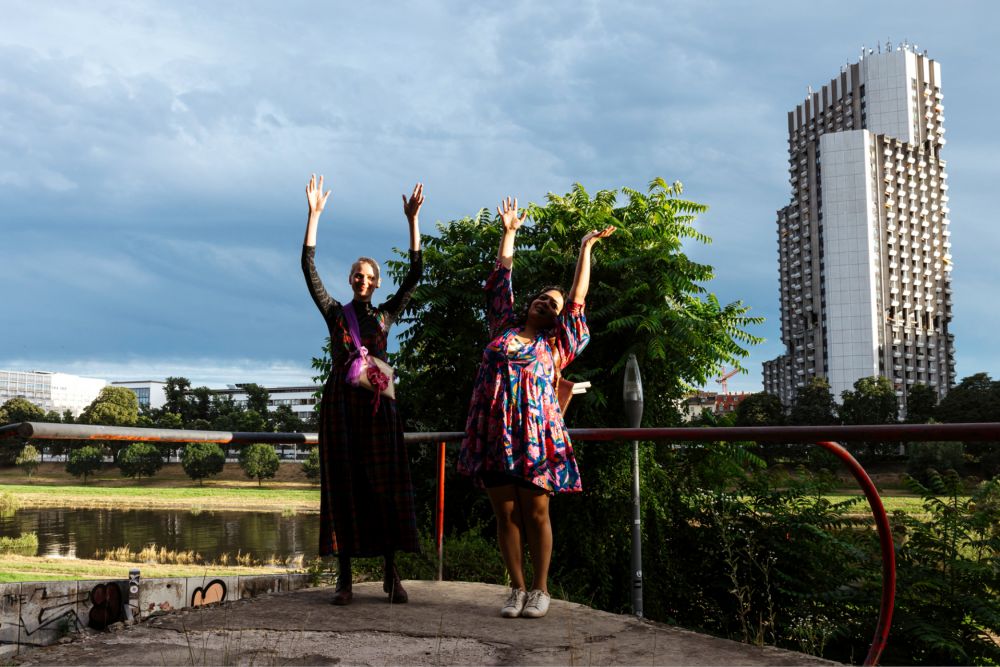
<point x="822" y="436"/>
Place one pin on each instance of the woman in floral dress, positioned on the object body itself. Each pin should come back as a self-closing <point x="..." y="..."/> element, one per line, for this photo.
<point x="516" y="445"/>
<point x="366" y="496"/>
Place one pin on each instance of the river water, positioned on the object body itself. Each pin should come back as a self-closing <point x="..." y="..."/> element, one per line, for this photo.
<point x="81" y="533"/>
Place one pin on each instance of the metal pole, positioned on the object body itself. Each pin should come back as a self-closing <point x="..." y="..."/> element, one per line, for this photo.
<point x="439" y="529"/>
<point x="632" y="397"/>
<point x="636" y="535"/>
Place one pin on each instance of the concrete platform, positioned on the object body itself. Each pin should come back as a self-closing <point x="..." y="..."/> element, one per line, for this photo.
<point x="446" y="623"/>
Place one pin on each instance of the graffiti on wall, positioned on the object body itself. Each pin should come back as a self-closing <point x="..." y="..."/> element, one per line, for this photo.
<point x="106" y="605"/>
<point x="213" y="593"/>
<point x="44" y="612"/>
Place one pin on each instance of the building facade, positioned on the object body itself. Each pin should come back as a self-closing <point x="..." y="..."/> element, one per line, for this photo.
<point x="150" y="393"/>
<point x="56" y="392"/>
<point x="863" y="247"/>
<point x="301" y="399"/>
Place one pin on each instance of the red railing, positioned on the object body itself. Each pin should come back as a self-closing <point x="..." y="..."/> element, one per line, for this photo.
<point x="823" y="436"/>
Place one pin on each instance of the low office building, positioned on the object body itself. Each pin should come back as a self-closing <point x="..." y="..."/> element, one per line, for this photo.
<point x="50" y="391"/>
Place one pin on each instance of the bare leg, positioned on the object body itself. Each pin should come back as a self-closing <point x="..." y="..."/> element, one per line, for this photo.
<point x="505" y="506"/>
<point x="535" y="507"/>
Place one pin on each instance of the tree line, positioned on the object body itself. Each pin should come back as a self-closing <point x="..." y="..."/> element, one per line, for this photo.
<point x="197" y="409"/>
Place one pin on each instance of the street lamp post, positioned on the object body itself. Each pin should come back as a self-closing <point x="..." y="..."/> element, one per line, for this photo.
<point x="632" y="395"/>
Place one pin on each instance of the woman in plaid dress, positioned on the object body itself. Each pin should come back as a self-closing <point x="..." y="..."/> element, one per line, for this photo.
<point x="516" y="444"/>
<point x="366" y="503"/>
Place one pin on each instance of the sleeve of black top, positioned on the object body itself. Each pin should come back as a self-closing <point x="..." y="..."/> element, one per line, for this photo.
<point x="324" y="301"/>
<point x="395" y="305"/>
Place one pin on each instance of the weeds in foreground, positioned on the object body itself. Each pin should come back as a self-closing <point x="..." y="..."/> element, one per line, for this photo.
<point x="8" y="503"/>
<point x="163" y="556"/>
<point x="24" y="545"/>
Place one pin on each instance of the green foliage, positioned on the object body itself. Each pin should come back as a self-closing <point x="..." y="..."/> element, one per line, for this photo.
<point x="873" y="401"/>
<point x="8" y="503"/>
<point x="17" y="410"/>
<point x="921" y="402"/>
<point x="284" y="420"/>
<point x="760" y="409"/>
<point x="927" y="459"/>
<point x="257" y="398"/>
<point x="646" y="297"/>
<point x="25" y="544"/>
<point x="84" y="461"/>
<point x="28" y="460"/>
<point x="948" y="587"/>
<point x="202" y="459"/>
<point x="259" y="461"/>
<point x="176" y="401"/>
<point x="975" y="399"/>
<point x="170" y="420"/>
<point x="814" y="405"/>
<point x="311" y="465"/>
<point x="140" y="459"/>
<point x="114" y="406"/>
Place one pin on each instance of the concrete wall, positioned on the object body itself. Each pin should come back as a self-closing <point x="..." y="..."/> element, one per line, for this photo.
<point x="41" y="613"/>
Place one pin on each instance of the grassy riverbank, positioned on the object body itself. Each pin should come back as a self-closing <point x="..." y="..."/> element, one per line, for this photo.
<point x="34" y="568"/>
<point x="52" y="486"/>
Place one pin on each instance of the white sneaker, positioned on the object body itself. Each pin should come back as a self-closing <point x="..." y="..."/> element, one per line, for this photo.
<point x="537" y="604"/>
<point x="514" y="604"/>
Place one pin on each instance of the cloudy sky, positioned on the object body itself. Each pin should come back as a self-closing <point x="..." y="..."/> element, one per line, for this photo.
<point x="153" y="155"/>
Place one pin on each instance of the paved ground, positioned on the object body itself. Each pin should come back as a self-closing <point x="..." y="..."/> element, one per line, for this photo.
<point x="447" y="623"/>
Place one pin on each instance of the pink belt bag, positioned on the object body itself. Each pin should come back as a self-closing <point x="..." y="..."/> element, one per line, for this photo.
<point x="366" y="370"/>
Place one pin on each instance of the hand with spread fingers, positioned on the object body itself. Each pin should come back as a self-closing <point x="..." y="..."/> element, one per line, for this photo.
<point x="508" y="214"/>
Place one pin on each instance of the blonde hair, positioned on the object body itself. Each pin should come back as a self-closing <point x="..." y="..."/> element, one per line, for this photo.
<point x="370" y="262"/>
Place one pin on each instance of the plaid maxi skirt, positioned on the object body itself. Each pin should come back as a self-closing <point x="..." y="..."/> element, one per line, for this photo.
<point x="366" y="504"/>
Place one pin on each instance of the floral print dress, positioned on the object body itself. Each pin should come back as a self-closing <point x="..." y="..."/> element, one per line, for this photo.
<point x="515" y="426"/>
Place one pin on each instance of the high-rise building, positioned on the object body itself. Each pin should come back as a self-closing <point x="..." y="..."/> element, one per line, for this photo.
<point x="863" y="246"/>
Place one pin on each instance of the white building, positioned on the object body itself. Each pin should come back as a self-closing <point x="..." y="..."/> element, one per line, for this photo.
<point x="300" y="399"/>
<point x="50" y="391"/>
<point x="864" y="245"/>
<point x="151" y="393"/>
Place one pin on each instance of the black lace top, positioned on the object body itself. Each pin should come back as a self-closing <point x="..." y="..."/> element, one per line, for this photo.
<point x="373" y="322"/>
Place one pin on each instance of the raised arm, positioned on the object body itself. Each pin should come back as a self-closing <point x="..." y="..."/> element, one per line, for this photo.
<point x="581" y="281"/>
<point x="397" y="302"/>
<point x="511" y="223"/>
<point x="317" y="201"/>
<point x="411" y="209"/>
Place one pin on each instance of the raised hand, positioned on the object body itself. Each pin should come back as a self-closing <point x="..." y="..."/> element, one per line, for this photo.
<point x="508" y="213"/>
<point x="315" y="196"/>
<point x="411" y="207"/>
<point x="594" y="236"/>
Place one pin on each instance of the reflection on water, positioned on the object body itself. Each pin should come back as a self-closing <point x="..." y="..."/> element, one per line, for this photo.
<point x="81" y="533"/>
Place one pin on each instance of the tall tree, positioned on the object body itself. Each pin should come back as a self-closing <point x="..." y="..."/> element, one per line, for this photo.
<point x="16" y="410"/>
<point x="647" y="298"/>
<point x="201" y="403"/>
<point x="114" y="406"/>
<point x="175" y="389"/>
<point x="872" y="401"/>
<point x="814" y="405"/>
<point x="760" y="409"/>
<point x="975" y="399"/>
<point x="920" y="404"/>
<point x="257" y="398"/>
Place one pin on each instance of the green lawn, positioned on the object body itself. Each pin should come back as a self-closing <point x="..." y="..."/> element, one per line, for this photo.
<point x="273" y="497"/>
